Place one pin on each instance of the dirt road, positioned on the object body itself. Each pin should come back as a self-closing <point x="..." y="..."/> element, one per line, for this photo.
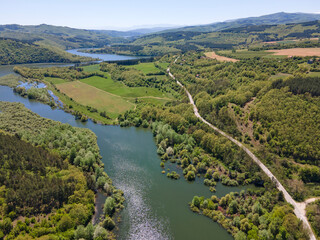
<point x="299" y="208"/>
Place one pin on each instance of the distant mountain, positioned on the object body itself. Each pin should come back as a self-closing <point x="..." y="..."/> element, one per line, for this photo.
<point x="271" y="19"/>
<point x="135" y="32"/>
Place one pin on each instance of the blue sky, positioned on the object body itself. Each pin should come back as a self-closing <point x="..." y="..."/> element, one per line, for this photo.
<point x="119" y="14"/>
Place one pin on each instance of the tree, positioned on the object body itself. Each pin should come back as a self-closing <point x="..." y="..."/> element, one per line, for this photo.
<point x="108" y="223"/>
<point x="109" y="206"/>
<point x="233" y="207"/>
<point x="100" y="233"/>
<point x="240" y="236"/>
<point x="65" y="223"/>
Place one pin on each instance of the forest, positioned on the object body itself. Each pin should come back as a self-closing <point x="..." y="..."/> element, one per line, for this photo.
<point x="67" y="159"/>
<point x="13" y="51"/>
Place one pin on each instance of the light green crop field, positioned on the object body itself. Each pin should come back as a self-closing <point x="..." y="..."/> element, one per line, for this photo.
<point x="314" y="74"/>
<point x="92" y="68"/>
<point x="145" y="67"/>
<point x="55" y="80"/>
<point x="163" y="65"/>
<point x="117" y="88"/>
<point x="91" y="96"/>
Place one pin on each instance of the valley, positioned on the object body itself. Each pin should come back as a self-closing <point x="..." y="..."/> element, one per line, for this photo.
<point x="199" y="132"/>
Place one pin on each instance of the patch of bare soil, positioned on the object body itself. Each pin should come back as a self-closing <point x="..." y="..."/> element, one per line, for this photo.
<point x="300" y="52"/>
<point x="213" y="55"/>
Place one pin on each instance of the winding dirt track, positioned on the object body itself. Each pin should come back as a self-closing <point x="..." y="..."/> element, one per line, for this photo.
<point x="299" y="208"/>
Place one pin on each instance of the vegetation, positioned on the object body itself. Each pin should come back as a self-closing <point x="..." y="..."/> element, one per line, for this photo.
<point x="57" y="155"/>
<point x="313" y="214"/>
<point x="240" y="99"/>
<point x="261" y="214"/>
<point x="15" y="52"/>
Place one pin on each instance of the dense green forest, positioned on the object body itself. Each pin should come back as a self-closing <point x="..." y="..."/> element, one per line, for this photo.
<point x="62" y="37"/>
<point x="65" y="164"/>
<point x="259" y="214"/>
<point x="15" y="52"/>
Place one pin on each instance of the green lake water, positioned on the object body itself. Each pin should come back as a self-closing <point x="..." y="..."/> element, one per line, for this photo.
<point x="156" y="206"/>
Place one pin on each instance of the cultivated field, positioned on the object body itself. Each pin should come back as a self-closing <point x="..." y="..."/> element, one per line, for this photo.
<point x="213" y="55"/>
<point x="91" y="96"/>
<point x="145" y="67"/>
<point x="301" y="52"/>
<point x="118" y="88"/>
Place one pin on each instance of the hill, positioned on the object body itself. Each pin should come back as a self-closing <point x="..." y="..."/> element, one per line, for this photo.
<point x="62" y="37"/>
<point x="237" y="37"/>
<point x="15" y="52"/>
<point x="271" y="19"/>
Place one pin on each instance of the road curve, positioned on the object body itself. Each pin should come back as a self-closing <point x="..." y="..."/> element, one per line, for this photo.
<point x="299" y="208"/>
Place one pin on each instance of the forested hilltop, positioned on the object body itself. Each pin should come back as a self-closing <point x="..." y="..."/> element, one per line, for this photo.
<point x="16" y="52"/>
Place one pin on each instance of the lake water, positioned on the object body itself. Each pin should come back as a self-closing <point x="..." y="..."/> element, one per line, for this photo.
<point x="102" y="56"/>
<point x="156" y="206"/>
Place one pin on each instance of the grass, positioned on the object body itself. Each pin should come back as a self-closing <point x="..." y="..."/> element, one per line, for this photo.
<point x="163" y="65"/>
<point x="279" y="76"/>
<point x="145" y="67"/>
<point x="92" y="68"/>
<point x="91" y="96"/>
<point x="314" y="74"/>
<point x="55" y="80"/>
<point x="74" y="106"/>
<point x="10" y="80"/>
<point x="117" y="88"/>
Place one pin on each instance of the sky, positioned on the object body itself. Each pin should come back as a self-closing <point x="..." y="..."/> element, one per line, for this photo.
<point x="129" y="14"/>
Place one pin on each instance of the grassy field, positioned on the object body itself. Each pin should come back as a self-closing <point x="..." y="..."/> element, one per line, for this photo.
<point x="92" y="68"/>
<point x="145" y="67"/>
<point x="55" y="80"/>
<point x="91" y="96"/>
<point x="117" y="88"/>
<point x="279" y="76"/>
<point x="163" y="65"/>
<point x="314" y="74"/>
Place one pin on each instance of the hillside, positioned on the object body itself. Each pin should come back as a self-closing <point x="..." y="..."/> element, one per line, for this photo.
<point x="239" y="37"/>
<point x="17" y="52"/>
<point x="62" y="37"/>
<point x="271" y="19"/>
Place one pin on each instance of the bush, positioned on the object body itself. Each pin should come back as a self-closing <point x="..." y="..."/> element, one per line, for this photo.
<point x="108" y="223"/>
<point x="65" y="223"/>
<point x="109" y="206"/>
<point x="100" y="233"/>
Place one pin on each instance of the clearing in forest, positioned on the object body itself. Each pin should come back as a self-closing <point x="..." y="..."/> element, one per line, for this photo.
<point x="118" y="88"/>
<point x="213" y="55"/>
<point x="91" y="96"/>
<point x="300" y="52"/>
<point x="146" y="68"/>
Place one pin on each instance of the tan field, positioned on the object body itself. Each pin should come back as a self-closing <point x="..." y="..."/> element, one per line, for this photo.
<point x="94" y="97"/>
<point x="300" y="52"/>
<point x="213" y="55"/>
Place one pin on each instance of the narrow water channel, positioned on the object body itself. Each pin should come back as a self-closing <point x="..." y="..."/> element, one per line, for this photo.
<point x="156" y="206"/>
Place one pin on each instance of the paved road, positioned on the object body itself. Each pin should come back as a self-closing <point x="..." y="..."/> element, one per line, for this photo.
<point x="299" y="208"/>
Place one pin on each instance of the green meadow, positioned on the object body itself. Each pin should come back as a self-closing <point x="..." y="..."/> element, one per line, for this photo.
<point x="118" y="88"/>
